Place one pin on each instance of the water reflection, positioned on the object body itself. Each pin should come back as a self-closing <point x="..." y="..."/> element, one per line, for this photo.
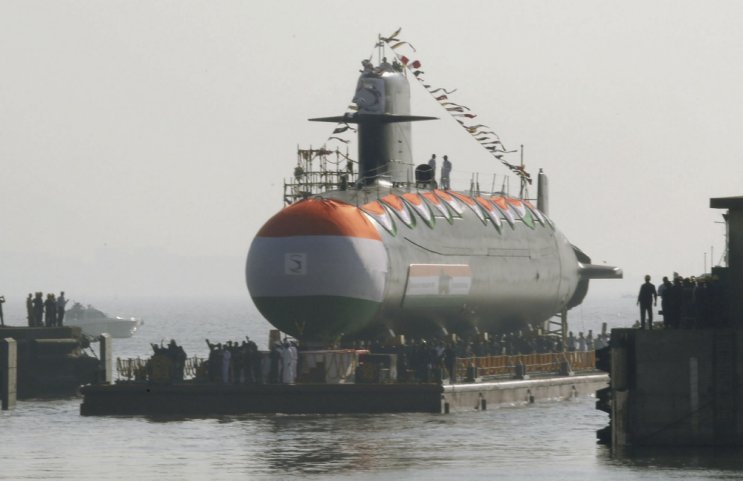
<point x="676" y="458"/>
<point x="550" y="440"/>
<point x="314" y="444"/>
<point x="544" y="441"/>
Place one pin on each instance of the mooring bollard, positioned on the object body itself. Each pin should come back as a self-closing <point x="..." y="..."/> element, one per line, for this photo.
<point x="8" y="373"/>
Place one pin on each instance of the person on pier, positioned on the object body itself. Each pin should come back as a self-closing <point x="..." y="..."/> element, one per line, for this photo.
<point x="30" y="310"/>
<point x="50" y="306"/>
<point x="61" y="303"/>
<point x="674" y="304"/>
<point x="647" y="297"/>
<point x="38" y="303"/>
<point x="664" y="291"/>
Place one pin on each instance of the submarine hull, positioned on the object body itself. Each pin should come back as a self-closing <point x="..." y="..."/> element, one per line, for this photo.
<point x="412" y="262"/>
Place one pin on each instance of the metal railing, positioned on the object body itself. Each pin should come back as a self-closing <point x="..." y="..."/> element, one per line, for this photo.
<point x="548" y="363"/>
<point x="138" y="369"/>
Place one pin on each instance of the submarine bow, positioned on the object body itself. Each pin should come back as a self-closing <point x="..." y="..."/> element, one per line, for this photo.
<point x="317" y="269"/>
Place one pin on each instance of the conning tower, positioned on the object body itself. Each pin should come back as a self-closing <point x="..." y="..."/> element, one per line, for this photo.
<point x="383" y="118"/>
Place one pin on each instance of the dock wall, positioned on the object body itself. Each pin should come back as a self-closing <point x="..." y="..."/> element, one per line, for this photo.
<point x="676" y="387"/>
<point x="50" y="361"/>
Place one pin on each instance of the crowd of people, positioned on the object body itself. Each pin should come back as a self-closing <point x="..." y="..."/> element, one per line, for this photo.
<point x="428" y="360"/>
<point x="168" y="362"/>
<point x="422" y="360"/>
<point x="242" y="363"/>
<point x="686" y="302"/>
<point x="509" y="344"/>
<point x="41" y="312"/>
<point x="47" y="312"/>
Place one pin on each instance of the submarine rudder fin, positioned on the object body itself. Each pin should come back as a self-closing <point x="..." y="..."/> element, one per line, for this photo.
<point x="587" y="270"/>
<point x="598" y="271"/>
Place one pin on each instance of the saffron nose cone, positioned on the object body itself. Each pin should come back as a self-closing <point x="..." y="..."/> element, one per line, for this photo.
<point x="317" y="270"/>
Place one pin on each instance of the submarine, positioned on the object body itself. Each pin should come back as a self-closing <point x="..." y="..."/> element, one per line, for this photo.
<point x="392" y="253"/>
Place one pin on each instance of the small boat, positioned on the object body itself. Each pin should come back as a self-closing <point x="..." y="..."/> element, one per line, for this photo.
<point x="94" y="322"/>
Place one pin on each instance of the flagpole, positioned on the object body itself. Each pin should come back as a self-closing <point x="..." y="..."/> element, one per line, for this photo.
<point x="523" y="180"/>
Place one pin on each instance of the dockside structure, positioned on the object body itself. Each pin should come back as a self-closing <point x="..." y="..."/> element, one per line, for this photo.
<point x="682" y="387"/>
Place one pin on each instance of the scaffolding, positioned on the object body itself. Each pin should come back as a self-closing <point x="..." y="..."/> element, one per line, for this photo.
<point x="317" y="171"/>
<point x="557" y="326"/>
<point x="321" y="170"/>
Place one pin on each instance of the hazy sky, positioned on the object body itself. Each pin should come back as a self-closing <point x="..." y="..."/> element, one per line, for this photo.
<point x="143" y="143"/>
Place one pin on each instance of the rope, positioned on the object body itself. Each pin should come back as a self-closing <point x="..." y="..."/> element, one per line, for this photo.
<point x="482" y="134"/>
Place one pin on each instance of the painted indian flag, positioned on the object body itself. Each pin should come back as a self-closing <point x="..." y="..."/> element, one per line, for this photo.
<point x="437" y="280"/>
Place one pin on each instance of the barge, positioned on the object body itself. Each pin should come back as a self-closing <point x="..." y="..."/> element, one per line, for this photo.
<point x="346" y="383"/>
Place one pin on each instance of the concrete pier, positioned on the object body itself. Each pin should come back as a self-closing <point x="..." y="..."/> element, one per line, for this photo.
<point x="681" y="386"/>
<point x="676" y="387"/>
<point x="50" y="361"/>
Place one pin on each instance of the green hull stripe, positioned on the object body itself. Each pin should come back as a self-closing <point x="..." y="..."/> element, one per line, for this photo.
<point x="317" y="317"/>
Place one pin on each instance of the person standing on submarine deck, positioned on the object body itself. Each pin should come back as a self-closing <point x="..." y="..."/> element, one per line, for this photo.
<point x="445" y="171"/>
<point x="432" y="165"/>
